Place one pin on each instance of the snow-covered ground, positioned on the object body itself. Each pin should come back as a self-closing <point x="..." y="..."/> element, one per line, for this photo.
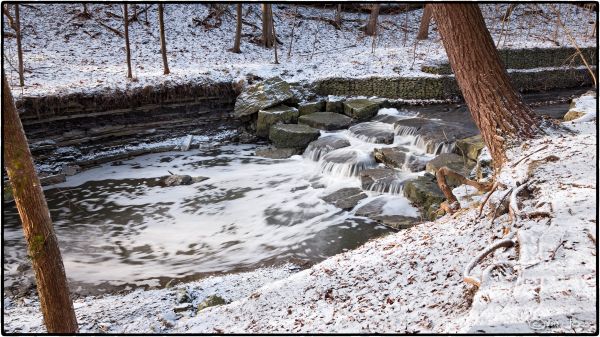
<point x="414" y="280"/>
<point x="65" y="53"/>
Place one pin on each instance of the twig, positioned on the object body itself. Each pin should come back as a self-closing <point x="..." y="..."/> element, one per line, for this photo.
<point x="529" y="155"/>
<point x="499" y="204"/>
<point x="109" y="28"/>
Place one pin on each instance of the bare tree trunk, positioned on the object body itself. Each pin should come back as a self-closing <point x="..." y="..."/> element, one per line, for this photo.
<point x="274" y="35"/>
<point x="338" y="17"/>
<point x="43" y="251"/>
<point x="85" y="10"/>
<point x="163" y="41"/>
<point x="372" y="25"/>
<point x="496" y="107"/>
<point x="267" y="30"/>
<point x="425" y="20"/>
<point x="238" y="30"/>
<point x="19" y="45"/>
<point x="127" y="49"/>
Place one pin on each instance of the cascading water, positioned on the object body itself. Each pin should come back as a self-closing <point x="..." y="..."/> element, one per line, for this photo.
<point x="346" y="162"/>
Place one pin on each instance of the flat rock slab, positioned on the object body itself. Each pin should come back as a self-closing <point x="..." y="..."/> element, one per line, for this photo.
<point x="346" y="198"/>
<point x="423" y="192"/>
<point x="383" y="180"/>
<point x="375" y="210"/>
<point x="270" y="116"/>
<point x="362" y="109"/>
<point x="373" y="132"/>
<point x="324" y="145"/>
<point x="431" y="135"/>
<point x="306" y="108"/>
<point x="334" y="105"/>
<point x="326" y="120"/>
<point x="470" y="147"/>
<point x="265" y="94"/>
<point x="295" y="136"/>
<point x="399" y="157"/>
<point x="277" y="153"/>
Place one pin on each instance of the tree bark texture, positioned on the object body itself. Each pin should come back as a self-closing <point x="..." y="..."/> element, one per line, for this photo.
<point x="372" y="25"/>
<point x="425" y="21"/>
<point x="238" y="30"/>
<point x="163" y="41"/>
<point x="127" y="49"/>
<point x="43" y="251"/>
<point x="19" y="45"/>
<point x="267" y="30"/>
<point x="495" y="105"/>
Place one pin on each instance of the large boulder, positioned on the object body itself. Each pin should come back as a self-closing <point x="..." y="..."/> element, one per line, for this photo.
<point x="470" y="147"/>
<point x="295" y="136"/>
<point x="460" y="165"/>
<point x="362" y="108"/>
<point x="424" y="192"/>
<point x="326" y="120"/>
<point x="382" y="180"/>
<point x="324" y="145"/>
<point x="400" y="158"/>
<point x="346" y="198"/>
<point x="373" y="132"/>
<point x="274" y="115"/>
<point x="306" y="108"/>
<point x="262" y="95"/>
<point x="381" y="211"/>
<point x="277" y="153"/>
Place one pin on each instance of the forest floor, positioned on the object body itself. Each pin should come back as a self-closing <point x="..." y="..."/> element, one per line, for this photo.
<point x="65" y="52"/>
<point x="413" y="280"/>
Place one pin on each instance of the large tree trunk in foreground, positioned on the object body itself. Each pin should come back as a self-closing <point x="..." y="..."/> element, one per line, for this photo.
<point x="163" y="41"/>
<point x="424" y="26"/>
<point x="267" y="30"/>
<point x="372" y="25"/>
<point x="43" y="250"/>
<point x="127" y="49"/>
<point x="496" y="107"/>
<point x="19" y="45"/>
<point x="238" y="30"/>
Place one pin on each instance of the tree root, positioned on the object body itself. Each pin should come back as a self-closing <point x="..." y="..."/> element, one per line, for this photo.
<point x="487" y="197"/>
<point x="452" y="203"/>
<point x="467" y="277"/>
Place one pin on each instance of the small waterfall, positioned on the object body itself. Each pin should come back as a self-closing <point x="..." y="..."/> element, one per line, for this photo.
<point x="444" y="147"/>
<point x="395" y="187"/>
<point x="403" y="130"/>
<point x="346" y="162"/>
<point x="320" y="147"/>
<point x="373" y="132"/>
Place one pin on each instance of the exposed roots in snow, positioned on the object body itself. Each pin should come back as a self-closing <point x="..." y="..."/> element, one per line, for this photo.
<point x="452" y="204"/>
<point x="506" y="243"/>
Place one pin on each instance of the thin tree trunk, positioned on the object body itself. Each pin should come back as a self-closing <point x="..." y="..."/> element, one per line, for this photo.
<point x="289" y="53"/>
<point x="85" y="10"/>
<point x="267" y="31"/>
<point x="496" y="107"/>
<point x="425" y="20"/>
<point x="372" y="25"/>
<point x="127" y="49"/>
<point x="238" y="30"/>
<point x="338" y="17"/>
<point x="163" y="41"/>
<point x="43" y="251"/>
<point x="274" y="35"/>
<point x="19" y="45"/>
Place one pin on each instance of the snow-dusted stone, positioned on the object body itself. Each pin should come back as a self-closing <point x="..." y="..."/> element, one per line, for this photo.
<point x="334" y="104"/>
<point x="306" y="108"/>
<point x="461" y="165"/>
<point x="211" y="301"/>
<point x="279" y="114"/>
<point x="383" y="180"/>
<point x="362" y="109"/>
<point x="326" y="120"/>
<point x="470" y="147"/>
<point x="177" y="180"/>
<point x="265" y="94"/>
<point x="582" y="106"/>
<point x="373" y="132"/>
<point x="295" y="136"/>
<point x="377" y="211"/>
<point x="324" y="145"/>
<point x="399" y="157"/>
<point x="345" y="198"/>
<point x="424" y="192"/>
<point x="277" y="153"/>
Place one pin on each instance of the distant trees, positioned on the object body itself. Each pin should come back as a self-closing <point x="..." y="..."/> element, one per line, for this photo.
<point x="495" y="105"/>
<point x="238" y="30"/>
<point x="163" y="42"/>
<point x="424" y="26"/>
<point x="371" y="28"/>
<point x="15" y="24"/>
<point x="127" y="47"/>
<point x="267" y="23"/>
<point x="43" y="250"/>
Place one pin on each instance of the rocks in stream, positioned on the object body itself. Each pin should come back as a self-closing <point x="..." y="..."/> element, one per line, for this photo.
<point x="399" y="157"/>
<point x="326" y="120"/>
<point x="324" y="145"/>
<point x="277" y="153"/>
<point x="424" y="192"/>
<point x="262" y="95"/>
<point x="373" y="132"/>
<point x="346" y="162"/>
<point x="306" y="108"/>
<point x="470" y="147"/>
<point x="184" y="179"/>
<point x="270" y="116"/>
<point x="432" y="136"/>
<point x="460" y="165"/>
<point x="334" y="104"/>
<point x="295" y="136"/>
<point x="46" y="180"/>
<point x="377" y="210"/>
<point x="382" y="180"/>
<point x="362" y="109"/>
<point x="345" y="198"/>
